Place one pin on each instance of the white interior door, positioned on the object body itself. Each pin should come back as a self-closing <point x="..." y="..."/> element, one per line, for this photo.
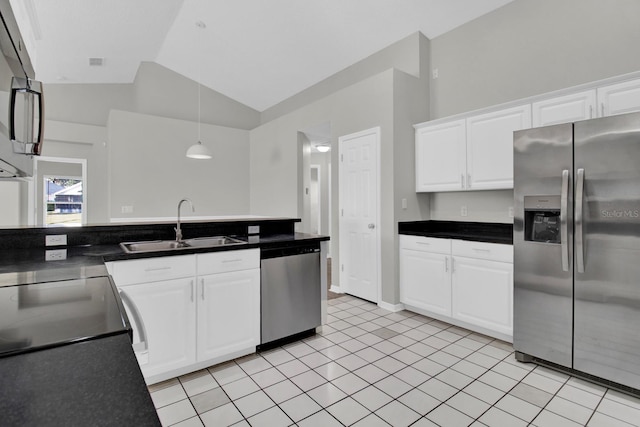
<point x="359" y="214"/>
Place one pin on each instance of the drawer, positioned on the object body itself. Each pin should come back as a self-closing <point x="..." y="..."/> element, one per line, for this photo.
<point x="425" y="244"/>
<point x="153" y="269"/>
<point x="221" y="262"/>
<point x="481" y="250"/>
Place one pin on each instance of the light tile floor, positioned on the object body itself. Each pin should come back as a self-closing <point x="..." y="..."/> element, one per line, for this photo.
<point x="372" y="367"/>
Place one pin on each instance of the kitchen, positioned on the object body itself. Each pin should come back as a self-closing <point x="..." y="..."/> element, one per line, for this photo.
<point x="472" y="74"/>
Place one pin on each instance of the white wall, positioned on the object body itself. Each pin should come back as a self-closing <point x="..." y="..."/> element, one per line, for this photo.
<point x="149" y="170"/>
<point x="10" y="194"/>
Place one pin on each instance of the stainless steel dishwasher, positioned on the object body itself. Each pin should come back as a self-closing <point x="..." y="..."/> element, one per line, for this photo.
<point x="289" y="292"/>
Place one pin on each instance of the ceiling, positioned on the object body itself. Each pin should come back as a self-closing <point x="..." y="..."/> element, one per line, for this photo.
<point x="258" y="52"/>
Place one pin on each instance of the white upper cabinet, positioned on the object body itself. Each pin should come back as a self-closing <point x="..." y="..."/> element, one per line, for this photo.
<point x="441" y="157"/>
<point x="619" y="98"/>
<point x="565" y="109"/>
<point x="475" y="152"/>
<point x="490" y="147"/>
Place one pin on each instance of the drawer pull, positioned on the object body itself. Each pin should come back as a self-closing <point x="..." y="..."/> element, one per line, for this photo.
<point x="424" y="243"/>
<point x="232" y="260"/>
<point x="148" y="270"/>
<point x="482" y="250"/>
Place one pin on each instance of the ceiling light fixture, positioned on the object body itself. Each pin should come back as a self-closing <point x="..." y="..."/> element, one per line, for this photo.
<point x="197" y="150"/>
<point x="323" y="148"/>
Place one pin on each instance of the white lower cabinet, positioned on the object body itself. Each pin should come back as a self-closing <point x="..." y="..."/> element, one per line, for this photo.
<point x="482" y="293"/>
<point x="469" y="284"/>
<point x="228" y="313"/>
<point x="190" y="311"/>
<point x="425" y="277"/>
<point x="165" y="338"/>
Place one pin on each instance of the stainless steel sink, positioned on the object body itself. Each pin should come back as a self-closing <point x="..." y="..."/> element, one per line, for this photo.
<point x="169" y="245"/>
<point x="203" y="242"/>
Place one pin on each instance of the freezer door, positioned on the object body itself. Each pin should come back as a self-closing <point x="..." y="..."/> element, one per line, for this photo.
<point x="542" y="237"/>
<point x="607" y="250"/>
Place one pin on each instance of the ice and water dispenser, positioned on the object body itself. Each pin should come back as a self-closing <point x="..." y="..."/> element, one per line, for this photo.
<point x="542" y="219"/>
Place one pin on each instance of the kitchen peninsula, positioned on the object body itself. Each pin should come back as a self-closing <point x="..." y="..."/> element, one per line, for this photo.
<point x="98" y="374"/>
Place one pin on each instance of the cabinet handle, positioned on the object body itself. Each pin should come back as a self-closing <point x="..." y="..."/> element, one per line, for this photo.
<point x="157" y="269"/>
<point x="424" y="243"/>
<point x="602" y="109"/>
<point x="453" y="269"/>
<point x="202" y="292"/>
<point x="591" y="111"/>
<point x="232" y="260"/>
<point x="469" y="180"/>
<point x="482" y="250"/>
<point x="192" y="291"/>
<point x="462" y="181"/>
<point x="141" y="347"/>
<point x="446" y="264"/>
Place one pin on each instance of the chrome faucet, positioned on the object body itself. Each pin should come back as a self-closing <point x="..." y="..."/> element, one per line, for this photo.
<point x="177" y="227"/>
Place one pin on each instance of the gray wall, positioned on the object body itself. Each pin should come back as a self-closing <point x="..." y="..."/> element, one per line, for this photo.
<point x="402" y="55"/>
<point x="275" y="158"/>
<point x="529" y="47"/>
<point x="159" y="91"/>
<point x="156" y="91"/>
<point x="526" y="48"/>
<point x="149" y="170"/>
<point x="392" y="100"/>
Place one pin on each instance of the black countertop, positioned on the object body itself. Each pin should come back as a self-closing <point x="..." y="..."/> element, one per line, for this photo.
<point x="92" y="383"/>
<point x="97" y="382"/>
<point x="475" y="231"/>
<point x="28" y="265"/>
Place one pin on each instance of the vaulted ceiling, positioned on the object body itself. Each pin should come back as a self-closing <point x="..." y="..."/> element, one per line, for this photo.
<point x="258" y="52"/>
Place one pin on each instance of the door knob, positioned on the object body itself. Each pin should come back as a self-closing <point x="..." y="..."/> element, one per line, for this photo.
<point x="371" y="226"/>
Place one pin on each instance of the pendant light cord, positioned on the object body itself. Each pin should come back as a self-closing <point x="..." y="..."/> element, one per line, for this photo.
<point x="201" y="25"/>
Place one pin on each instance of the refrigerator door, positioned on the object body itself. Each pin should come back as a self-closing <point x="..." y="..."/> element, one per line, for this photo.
<point x="542" y="237"/>
<point x="607" y="250"/>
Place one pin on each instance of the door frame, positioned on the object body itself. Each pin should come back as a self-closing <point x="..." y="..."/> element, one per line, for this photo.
<point x="318" y="169"/>
<point x="341" y="194"/>
<point x="33" y="194"/>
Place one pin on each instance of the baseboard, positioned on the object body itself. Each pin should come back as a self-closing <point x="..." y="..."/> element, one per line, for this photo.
<point x="391" y="307"/>
<point x="335" y="289"/>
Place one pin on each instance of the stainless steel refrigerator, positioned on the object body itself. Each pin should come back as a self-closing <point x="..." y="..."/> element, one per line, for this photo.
<point x="577" y="247"/>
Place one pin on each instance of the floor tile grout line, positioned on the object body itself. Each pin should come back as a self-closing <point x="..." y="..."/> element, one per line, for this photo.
<point x="402" y="345"/>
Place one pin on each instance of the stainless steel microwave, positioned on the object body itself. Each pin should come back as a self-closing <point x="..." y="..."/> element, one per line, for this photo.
<point x="21" y="102"/>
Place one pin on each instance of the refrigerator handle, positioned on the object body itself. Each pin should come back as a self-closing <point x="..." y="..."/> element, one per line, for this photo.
<point x="579" y="220"/>
<point x="564" y="206"/>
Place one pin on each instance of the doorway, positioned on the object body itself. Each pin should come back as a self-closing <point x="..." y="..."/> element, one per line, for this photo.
<point x="59" y="191"/>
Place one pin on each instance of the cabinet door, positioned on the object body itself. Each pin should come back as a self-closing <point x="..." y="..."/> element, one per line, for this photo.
<point x="425" y="281"/>
<point x="441" y="157"/>
<point x="483" y="293"/>
<point x="168" y="314"/>
<point x="228" y="313"/>
<point x="490" y="147"/>
<point x="620" y="98"/>
<point x="565" y="109"/>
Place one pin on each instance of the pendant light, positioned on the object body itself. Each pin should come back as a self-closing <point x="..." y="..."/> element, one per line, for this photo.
<point x="197" y="150"/>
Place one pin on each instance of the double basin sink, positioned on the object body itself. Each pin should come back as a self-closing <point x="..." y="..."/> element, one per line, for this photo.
<point x="168" y="245"/>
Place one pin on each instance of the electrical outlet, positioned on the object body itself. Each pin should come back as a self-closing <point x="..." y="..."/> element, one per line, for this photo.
<point x="55" y="240"/>
<point x="463" y="210"/>
<point x="434" y="73"/>
<point x="510" y="211"/>
<point x="55" y="255"/>
<point x="404" y="203"/>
